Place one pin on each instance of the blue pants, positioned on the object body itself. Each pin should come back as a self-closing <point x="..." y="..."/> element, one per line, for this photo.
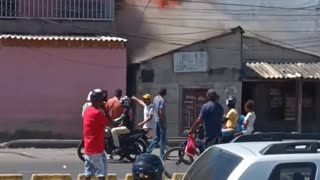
<point x="95" y="165"/>
<point x="161" y="137"/>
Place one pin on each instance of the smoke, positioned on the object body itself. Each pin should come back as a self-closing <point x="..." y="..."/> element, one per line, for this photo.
<point x="154" y="27"/>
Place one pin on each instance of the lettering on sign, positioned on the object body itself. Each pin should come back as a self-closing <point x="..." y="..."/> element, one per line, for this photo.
<point x="190" y="62"/>
<point x="192" y="101"/>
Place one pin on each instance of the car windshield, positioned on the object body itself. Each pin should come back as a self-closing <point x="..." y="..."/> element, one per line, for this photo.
<point x="214" y="164"/>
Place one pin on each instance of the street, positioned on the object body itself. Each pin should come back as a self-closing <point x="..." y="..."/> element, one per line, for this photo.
<point x="30" y="161"/>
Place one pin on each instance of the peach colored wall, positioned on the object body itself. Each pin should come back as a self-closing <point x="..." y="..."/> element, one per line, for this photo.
<point x="44" y="89"/>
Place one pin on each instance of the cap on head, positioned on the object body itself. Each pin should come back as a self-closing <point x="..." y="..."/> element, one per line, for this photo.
<point x="212" y="95"/>
<point x="147" y="96"/>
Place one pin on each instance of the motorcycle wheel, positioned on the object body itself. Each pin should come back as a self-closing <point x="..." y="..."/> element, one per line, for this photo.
<point x="138" y="147"/>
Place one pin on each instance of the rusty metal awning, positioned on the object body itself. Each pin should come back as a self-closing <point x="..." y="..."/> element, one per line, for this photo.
<point x="65" y="38"/>
<point x="267" y="70"/>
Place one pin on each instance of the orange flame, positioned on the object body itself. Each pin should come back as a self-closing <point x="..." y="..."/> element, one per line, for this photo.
<point x="167" y="3"/>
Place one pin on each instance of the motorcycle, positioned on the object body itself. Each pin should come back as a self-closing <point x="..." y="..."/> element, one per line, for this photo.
<point x="132" y="145"/>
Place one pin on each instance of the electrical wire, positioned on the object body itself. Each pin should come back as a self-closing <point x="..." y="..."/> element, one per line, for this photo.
<point x="248" y="5"/>
<point x="238" y="19"/>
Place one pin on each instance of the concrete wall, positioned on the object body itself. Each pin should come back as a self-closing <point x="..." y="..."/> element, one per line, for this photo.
<point x="43" y="89"/>
<point x="256" y="50"/>
<point x="224" y="61"/>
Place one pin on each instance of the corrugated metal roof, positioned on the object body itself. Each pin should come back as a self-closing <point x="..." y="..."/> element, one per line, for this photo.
<point x="286" y="70"/>
<point x="66" y="38"/>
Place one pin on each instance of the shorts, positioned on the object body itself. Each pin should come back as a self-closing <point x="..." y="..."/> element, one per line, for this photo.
<point x="95" y="165"/>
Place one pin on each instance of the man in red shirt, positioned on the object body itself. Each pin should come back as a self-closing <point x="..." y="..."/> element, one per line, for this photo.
<point x="94" y="124"/>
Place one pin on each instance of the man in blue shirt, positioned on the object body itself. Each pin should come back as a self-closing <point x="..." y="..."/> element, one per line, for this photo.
<point x="161" y="123"/>
<point x="211" y="116"/>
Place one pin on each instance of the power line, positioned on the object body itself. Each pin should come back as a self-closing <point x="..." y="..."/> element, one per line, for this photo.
<point x="250" y="14"/>
<point x="317" y="45"/>
<point x="249" y="5"/>
<point x="223" y="29"/>
<point x="189" y="9"/>
<point x="283" y="43"/>
<point x="224" y="19"/>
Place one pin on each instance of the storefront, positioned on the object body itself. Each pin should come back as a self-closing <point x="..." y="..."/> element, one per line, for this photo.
<point x="287" y="96"/>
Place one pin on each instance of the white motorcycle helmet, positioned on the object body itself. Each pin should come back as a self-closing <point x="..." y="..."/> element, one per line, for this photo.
<point x="125" y="101"/>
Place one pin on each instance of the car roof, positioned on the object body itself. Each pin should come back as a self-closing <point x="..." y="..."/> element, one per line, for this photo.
<point x="252" y="150"/>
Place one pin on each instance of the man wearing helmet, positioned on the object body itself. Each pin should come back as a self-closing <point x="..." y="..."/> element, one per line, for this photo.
<point x="88" y="101"/>
<point x="232" y="116"/>
<point x="94" y="124"/>
<point x="126" y="123"/>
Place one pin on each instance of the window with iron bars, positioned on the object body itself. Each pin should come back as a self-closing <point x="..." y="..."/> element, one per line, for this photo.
<point x="58" y="9"/>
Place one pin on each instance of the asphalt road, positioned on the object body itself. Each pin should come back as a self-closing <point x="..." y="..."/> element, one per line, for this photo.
<point x="30" y="161"/>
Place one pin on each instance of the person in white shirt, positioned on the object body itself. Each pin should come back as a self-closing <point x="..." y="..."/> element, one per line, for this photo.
<point x="249" y="119"/>
<point x="148" y="115"/>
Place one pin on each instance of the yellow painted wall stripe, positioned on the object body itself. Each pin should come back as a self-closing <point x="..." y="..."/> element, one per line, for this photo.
<point x="128" y="176"/>
<point x="11" y="177"/>
<point x="51" y="177"/>
<point x="177" y="176"/>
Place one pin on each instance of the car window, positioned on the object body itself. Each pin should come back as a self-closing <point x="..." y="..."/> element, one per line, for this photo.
<point x="294" y="171"/>
<point x="215" y="163"/>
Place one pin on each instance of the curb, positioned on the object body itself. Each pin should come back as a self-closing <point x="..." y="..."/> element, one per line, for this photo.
<point x="110" y="176"/>
<point x="63" y="143"/>
<point x="41" y="143"/>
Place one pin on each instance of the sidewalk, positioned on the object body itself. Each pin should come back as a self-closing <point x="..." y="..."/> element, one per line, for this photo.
<point x="63" y="143"/>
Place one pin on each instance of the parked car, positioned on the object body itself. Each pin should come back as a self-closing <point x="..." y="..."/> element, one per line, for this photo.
<point x="265" y="156"/>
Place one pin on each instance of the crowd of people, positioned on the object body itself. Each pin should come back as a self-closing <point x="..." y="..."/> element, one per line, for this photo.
<point x="99" y="112"/>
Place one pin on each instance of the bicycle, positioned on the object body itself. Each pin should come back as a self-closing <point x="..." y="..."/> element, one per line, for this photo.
<point x="176" y="160"/>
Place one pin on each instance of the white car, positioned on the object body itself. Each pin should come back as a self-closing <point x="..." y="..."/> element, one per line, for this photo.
<point x="276" y="156"/>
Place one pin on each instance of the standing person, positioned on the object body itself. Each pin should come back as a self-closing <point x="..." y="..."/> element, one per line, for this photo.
<point x="94" y="124"/>
<point x="249" y="119"/>
<point x="113" y="105"/>
<point x="148" y="114"/>
<point x="211" y="116"/>
<point x="161" y="123"/>
<point x="88" y="101"/>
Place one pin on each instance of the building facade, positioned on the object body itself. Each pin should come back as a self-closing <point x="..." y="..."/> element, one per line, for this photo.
<point x="52" y="52"/>
<point x="284" y="84"/>
<point x="45" y="81"/>
<point x="187" y="79"/>
<point x="227" y="64"/>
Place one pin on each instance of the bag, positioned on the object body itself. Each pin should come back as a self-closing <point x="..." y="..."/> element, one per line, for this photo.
<point x="191" y="148"/>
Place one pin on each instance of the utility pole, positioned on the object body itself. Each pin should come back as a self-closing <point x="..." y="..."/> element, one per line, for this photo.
<point x="317" y="23"/>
